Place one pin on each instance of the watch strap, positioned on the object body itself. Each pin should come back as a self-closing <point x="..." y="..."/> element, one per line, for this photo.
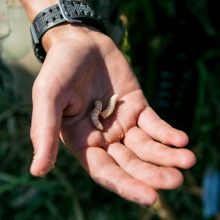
<point x="70" y="11"/>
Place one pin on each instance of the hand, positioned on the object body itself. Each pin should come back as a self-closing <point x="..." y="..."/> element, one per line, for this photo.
<point x="132" y="156"/>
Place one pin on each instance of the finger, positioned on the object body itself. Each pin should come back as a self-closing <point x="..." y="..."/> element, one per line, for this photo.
<point x="154" y="152"/>
<point x="107" y="173"/>
<point x="153" y="176"/>
<point x="113" y="131"/>
<point x="45" y="127"/>
<point x="159" y="130"/>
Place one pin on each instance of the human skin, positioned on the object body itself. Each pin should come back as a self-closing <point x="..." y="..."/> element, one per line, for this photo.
<point x="137" y="153"/>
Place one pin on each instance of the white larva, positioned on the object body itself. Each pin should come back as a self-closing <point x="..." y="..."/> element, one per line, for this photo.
<point x="110" y="108"/>
<point x="95" y="115"/>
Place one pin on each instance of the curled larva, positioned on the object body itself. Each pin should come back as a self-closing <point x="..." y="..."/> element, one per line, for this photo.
<point x="110" y="108"/>
<point x="95" y="115"/>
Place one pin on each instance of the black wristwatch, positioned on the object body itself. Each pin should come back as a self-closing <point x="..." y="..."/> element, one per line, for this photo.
<point x="76" y="12"/>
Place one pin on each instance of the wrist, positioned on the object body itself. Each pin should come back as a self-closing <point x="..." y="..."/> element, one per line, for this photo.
<point x="65" y="32"/>
<point x="46" y="25"/>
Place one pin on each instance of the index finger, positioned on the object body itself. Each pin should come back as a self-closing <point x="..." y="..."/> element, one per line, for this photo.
<point x="160" y="130"/>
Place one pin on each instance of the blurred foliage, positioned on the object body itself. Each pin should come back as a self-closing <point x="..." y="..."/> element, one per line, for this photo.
<point x="175" y="53"/>
<point x="174" y="48"/>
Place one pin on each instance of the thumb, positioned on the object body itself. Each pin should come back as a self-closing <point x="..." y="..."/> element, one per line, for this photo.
<point x="45" y="126"/>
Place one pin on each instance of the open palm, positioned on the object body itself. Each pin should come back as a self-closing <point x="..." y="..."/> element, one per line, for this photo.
<point x="132" y="155"/>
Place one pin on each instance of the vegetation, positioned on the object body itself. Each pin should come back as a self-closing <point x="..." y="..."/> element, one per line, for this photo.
<point x="175" y="53"/>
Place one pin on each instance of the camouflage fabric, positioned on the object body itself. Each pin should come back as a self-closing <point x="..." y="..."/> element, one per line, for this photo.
<point x="15" y="41"/>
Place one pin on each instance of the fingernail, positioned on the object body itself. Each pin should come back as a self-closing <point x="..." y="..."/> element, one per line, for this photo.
<point x="42" y="173"/>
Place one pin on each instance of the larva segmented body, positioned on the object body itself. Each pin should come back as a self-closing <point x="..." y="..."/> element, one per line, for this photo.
<point x="110" y="108"/>
<point x="97" y="111"/>
<point x="95" y="115"/>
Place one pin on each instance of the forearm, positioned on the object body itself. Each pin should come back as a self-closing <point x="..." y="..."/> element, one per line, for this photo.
<point x="33" y="7"/>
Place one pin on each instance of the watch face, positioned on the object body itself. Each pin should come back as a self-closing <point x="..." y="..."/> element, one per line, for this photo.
<point x="71" y="10"/>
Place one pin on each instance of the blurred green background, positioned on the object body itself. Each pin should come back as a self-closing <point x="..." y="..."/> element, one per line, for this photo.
<point x="174" y="49"/>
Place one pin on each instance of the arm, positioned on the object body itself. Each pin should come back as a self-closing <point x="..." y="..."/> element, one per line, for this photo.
<point x="131" y="156"/>
<point x="32" y="8"/>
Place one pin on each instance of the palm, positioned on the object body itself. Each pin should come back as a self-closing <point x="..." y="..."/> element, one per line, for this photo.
<point x="125" y="156"/>
<point x="80" y="133"/>
<point x="77" y="128"/>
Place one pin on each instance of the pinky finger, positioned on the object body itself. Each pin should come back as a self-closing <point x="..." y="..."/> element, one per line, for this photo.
<point x="104" y="170"/>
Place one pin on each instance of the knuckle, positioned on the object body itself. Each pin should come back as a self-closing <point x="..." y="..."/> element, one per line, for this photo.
<point x="44" y="89"/>
<point x="39" y="85"/>
<point x="32" y="133"/>
<point x="172" y="179"/>
<point x="133" y="163"/>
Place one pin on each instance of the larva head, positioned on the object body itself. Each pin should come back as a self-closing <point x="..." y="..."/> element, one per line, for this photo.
<point x="98" y="104"/>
